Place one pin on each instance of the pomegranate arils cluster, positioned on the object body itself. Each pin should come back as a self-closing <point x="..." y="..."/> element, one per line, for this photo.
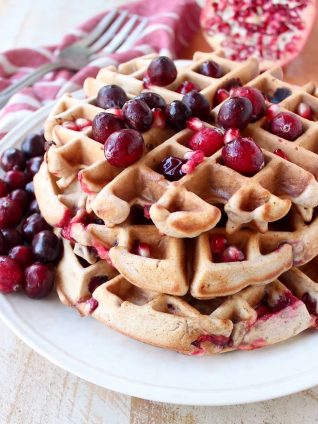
<point x="193" y="160"/>
<point x="186" y="87"/>
<point x="223" y="251"/>
<point x="78" y="124"/>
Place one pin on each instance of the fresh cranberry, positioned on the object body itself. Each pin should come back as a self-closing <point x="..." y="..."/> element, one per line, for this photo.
<point x="255" y="97"/>
<point x="11" y="275"/>
<point x="96" y="282"/>
<point x="33" y="145"/>
<point x="16" y="179"/>
<point x="10" y="212"/>
<point x="280" y="95"/>
<point x="34" y="207"/>
<point x="177" y="114"/>
<point x="221" y="95"/>
<point x="159" y="118"/>
<point x="33" y="225"/>
<point x="280" y="153"/>
<point x="23" y="255"/>
<point x="162" y="71"/>
<point x="209" y="68"/>
<point x="21" y="196"/>
<point x="33" y="165"/>
<point x="13" y="236"/>
<point x="4" y="189"/>
<point x="209" y="140"/>
<point x="46" y="246"/>
<point x="232" y="254"/>
<point x="4" y="245"/>
<point x="186" y="87"/>
<point x="138" y="115"/>
<point x="12" y="159"/>
<point x="199" y="105"/>
<point x="170" y="167"/>
<point x="104" y="124"/>
<point x="218" y="243"/>
<point x="153" y="100"/>
<point x="123" y="148"/>
<point x="243" y="155"/>
<point x="305" y="111"/>
<point x="111" y="96"/>
<point x="29" y="188"/>
<point x="39" y="280"/>
<point x="235" y="112"/>
<point x="286" y="125"/>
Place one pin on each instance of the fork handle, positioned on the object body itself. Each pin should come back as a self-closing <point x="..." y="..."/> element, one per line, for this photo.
<point x="28" y="80"/>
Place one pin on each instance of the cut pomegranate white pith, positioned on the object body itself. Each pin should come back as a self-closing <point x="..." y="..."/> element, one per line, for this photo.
<point x="272" y="31"/>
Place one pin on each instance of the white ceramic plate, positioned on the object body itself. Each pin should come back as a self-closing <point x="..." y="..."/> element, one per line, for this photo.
<point x="98" y="354"/>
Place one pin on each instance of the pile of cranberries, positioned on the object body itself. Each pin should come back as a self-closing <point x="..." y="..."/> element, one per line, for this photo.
<point x="28" y="247"/>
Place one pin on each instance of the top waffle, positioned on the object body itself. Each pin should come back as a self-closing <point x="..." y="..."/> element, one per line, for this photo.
<point x="190" y="206"/>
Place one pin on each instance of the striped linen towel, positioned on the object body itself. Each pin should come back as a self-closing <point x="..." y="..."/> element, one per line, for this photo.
<point x="171" y="25"/>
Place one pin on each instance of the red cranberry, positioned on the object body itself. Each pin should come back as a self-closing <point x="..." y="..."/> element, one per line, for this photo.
<point x="280" y="153"/>
<point x="232" y="254"/>
<point x="104" y="124"/>
<point x="12" y="159"/>
<point x="34" y="207"/>
<point x="33" y="225"/>
<point x="16" y="179"/>
<point x="305" y="111"/>
<point x="10" y="212"/>
<point x="33" y="165"/>
<point x="255" y="97"/>
<point x="33" y="145"/>
<point x="4" y="245"/>
<point x="286" y="125"/>
<point x="96" y="282"/>
<point x="39" y="280"/>
<point x="46" y="246"/>
<point x="23" y="255"/>
<point x="280" y="95"/>
<point x="111" y="96"/>
<point x="13" y="236"/>
<point x="218" y="243"/>
<point x="209" y="68"/>
<point x="123" y="148"/>
<point x="138" y="115"/>
<point x="177" y="114"/>
<point x="21" y="196"/>
<point x="209" y="140"/>
<point x="221" y="95"/>
<point x="162" y="71"/>
<point x="199" y="105"/>
<point x="4" y="189"/>
<point x="11" y="275"/>
<point x="235" y="112"/>
<point x="159" y="118"/>
<point x="186" y="87"/>
<point x="153" y="100"/>
<point x="170" y="167"/>
<point x="243" y="155"/>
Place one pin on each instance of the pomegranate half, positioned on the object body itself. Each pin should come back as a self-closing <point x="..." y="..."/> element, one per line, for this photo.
<point x="273" y="31"/>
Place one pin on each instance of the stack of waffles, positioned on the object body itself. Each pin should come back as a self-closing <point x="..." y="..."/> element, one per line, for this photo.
<point x="137" y="247"/>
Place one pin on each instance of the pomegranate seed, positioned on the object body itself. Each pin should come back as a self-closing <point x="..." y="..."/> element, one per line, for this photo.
<point x="162" y="71"/>
<point x="147" y="211"/>
<point x="271" y="112"/>
<point x="197" y="156"/>
<point x="232" y="254"/>
<point x="115" y="111"/>
<point x="255" y="97"/>
<point x="159" y="118"/>
<point x="186" y="87"/>
<point x="104" y="124"/>
<point x="189" y="167"/>
<point x="243" y="155"/>
<point x="209" y="68"/>
<point x="143" y="249"/>
<point x="11" y="275"/>
<point x="208" y="140"/>
<point x="70" y="125"/>
<point x="124" y="147"/>
<point x="218" y="243"/>
<point x="195" y="124"/>
<point x="111" y="96"/>
<point x="231" y="134"/>
<point x="280" y="153"/>
<point x="91" y="305"/>
<point x="286" y="125"/>
<point x="305" y="111"/>
<point x="82" y="123"/>
<point x="221" y="95"/>
<point x="235" y="112"/>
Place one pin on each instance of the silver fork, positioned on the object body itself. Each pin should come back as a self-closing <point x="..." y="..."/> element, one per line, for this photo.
<point x="106" y="36"/>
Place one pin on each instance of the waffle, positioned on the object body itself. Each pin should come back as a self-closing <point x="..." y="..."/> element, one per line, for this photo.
<point x="253" y="318"/>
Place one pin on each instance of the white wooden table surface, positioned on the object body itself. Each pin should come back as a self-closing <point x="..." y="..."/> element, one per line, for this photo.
<point x="34" y="391"/>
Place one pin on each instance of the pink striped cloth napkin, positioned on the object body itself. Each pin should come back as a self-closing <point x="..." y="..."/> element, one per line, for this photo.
<point x="172" y="24"/>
